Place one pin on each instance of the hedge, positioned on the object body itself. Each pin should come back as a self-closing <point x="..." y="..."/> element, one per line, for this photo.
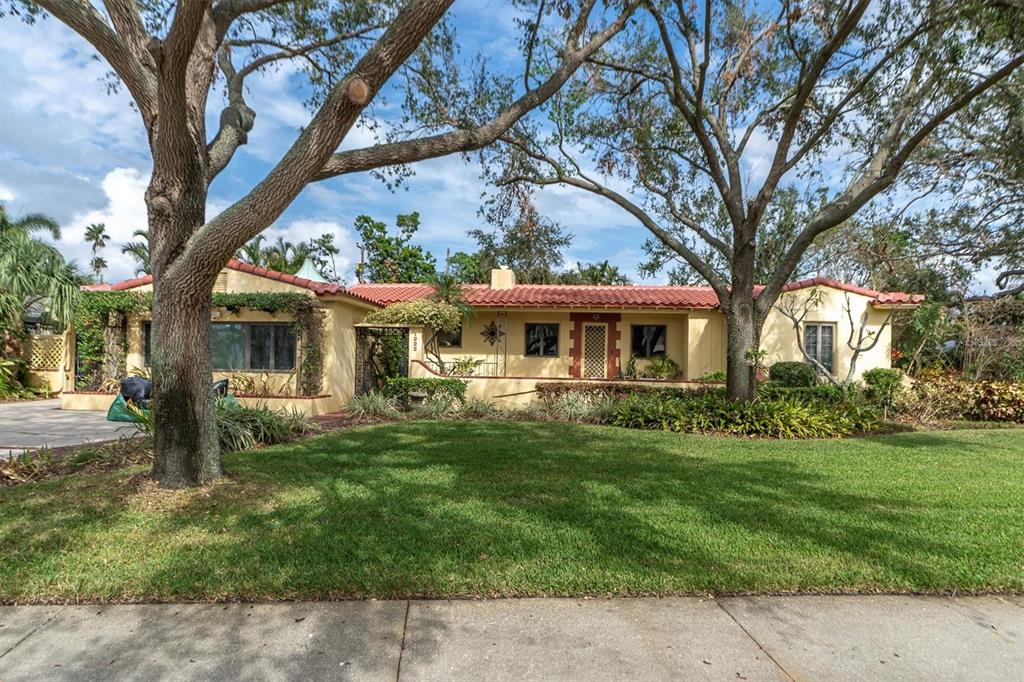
<point x="793" y="374"/>
<point x="401" y="388"/>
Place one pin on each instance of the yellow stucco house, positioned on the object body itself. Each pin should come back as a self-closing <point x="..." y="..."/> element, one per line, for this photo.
<point x="519" y="336"/>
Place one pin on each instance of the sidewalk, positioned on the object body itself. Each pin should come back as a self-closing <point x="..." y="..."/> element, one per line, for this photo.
<point x="751" y="638"/>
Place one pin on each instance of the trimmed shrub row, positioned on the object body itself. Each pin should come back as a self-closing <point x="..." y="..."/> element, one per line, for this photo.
<point x="401" y="389"/>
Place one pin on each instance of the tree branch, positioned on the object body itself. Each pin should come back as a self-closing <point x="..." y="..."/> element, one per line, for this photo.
<point x="86" y="21"/>
<point x="471" y="139"/>
<point x="215" y="243"/>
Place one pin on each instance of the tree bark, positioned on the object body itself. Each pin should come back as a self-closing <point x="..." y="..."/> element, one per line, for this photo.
<point x="742" y="323"/>
<point x="185" y="450"/>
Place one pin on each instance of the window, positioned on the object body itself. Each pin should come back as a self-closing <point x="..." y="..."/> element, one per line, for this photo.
<point x="648" y="340"/>
<point x="450" y="339"/>
<point x="819" y="340"/>
<point x="542" y="340"/>
<point x="245" y="346"/>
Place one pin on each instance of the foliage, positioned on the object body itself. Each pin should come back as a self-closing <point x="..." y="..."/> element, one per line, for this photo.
<point x="402" y="388"/>
<point x="436" y="407"/>
<point x="661" y="367"/>
<point x="990" y="339"/>
<point x="307" y="318"/>
<point x="286" y="256"/>
<point x="883" y="387"/>
<point x="96" y="236"/>
<point x="821" y="393"/>
<point x="34" y="273"/>
<point x="393" y="258"/>
<point x="373" y="405"/>
<point x="550" y="392"/>
<point x="244" y="428"/>
<point x="462" y="366"/>
<point x="793" y="374"/>
<point x="92" y="320"/>
<point x="712" y="377"/>
<point x="584" y="409"/>
<point x="711" y="412"/>
<point x="591" y="274"/>
<point x="477" y="408"/>
<point x="139" y="251"/>
<point x="94" y="308"/>
<point x="528" y="243"/>
<point x="438" y="315"/>
<point x="936" y="396"/>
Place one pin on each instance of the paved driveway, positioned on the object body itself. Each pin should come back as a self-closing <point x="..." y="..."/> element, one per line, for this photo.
<point x="41" y="423"/>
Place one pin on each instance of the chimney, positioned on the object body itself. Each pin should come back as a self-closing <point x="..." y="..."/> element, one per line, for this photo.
<point x="502" y="278"/>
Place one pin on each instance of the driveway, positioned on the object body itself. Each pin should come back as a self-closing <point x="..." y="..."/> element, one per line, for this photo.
<point x="41" y="423"/>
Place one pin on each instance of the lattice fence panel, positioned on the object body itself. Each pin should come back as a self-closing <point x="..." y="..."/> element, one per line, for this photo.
<point x="593" y="352"/>
<point x="46" y="352"/>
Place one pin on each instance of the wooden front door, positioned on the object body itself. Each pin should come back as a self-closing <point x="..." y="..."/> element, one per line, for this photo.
<point x="595" y="351"/>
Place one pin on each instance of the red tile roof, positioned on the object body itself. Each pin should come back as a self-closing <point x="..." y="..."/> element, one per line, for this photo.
<point x="880" y="297"/>
<point x="534" y="295"/>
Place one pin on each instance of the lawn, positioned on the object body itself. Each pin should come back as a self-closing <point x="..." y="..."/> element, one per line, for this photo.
<point x="502" y="509"/>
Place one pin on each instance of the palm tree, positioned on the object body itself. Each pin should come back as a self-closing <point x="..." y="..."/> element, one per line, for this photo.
<point x="34" y="272"/>
<point x="139" y="250"/>
<point x="96" y="234"/>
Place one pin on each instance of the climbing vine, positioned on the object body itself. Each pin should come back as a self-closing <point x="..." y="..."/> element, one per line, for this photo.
<point x="100" y="345"/>
<point x="94" y="349"/>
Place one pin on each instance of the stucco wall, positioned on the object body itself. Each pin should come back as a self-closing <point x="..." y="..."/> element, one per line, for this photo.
<point x="779" y="338"/>
<point x="518" y="364"/>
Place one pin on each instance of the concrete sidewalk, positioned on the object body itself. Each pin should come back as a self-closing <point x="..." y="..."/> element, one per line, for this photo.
<point x="751" y="638"/>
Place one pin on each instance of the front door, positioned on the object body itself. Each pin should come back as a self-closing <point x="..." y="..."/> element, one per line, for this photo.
<point x="595" y="351"/>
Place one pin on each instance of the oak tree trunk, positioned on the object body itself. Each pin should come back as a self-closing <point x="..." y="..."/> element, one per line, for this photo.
<point x="743" y="330"/>
<point x="186" y="449"/>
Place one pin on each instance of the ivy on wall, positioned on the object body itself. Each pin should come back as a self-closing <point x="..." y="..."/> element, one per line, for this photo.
<point x="93" y="333"/>
<point x="93" y="318"/>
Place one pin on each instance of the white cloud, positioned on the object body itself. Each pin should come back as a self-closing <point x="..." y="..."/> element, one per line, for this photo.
<point x="7" y="194"/>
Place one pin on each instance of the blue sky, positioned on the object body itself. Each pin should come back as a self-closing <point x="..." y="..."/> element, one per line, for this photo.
<point x="71" y="150"/>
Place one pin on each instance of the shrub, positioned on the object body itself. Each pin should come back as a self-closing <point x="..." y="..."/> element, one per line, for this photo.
<point x="400" y="389"/>
<point x="713" y="413"/>
<point x="822" y="393"/>
<point x="550" y="392"/>
<point x="793" y="374"/>
<point x="435" y="408"/>
<point x="574" y="407"/>
<point x="373" y="405"/>
<point x="883" y="386"/>
<point x="477" y="408"/>
<point x="243" y="428"/>
<point x="660" y="368"/>
<point x="937" y="396"/>
<point x="718" y="377"/>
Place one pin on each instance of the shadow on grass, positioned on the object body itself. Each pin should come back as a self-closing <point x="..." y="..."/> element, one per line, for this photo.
<point x="436" y="509"/>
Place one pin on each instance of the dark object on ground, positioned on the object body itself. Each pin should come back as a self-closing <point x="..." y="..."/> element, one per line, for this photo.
<point x="137" y="390"/>
<point x="220" y="388"/>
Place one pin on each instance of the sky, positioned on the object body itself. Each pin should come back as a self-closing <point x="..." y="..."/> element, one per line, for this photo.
<point x="72" y="150"/>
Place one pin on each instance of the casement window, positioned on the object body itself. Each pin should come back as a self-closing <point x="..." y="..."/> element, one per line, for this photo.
<point x="819" y="343"/>
<point x="245" y="346"/>
<point x="648" y="340"/>
<point x="450" y="339"/>
<point x="542" y="340"/>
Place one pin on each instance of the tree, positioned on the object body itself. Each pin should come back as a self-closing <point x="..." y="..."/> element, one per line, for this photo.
<point x="603" y="273"/>
<point x="530" y="244"/>
<point x="139" y="250"/>
<point x="466" y="268"/>
<point x="33" y="272"/>
<point x="170" y="57"/>
<point x="666" y="127"/>
<point x="393" y="258"/>
<point x="96" y="235"/>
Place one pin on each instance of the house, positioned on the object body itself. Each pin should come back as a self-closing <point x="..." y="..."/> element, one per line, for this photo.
<point x="518" y="336"/>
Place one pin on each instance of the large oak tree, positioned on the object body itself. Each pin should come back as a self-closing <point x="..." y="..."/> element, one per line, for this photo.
<point x="703" y="116"/>
<point x="171" y="56"/>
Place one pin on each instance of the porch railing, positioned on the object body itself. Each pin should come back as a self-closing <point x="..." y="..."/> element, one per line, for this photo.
<point x="462" y="368"/>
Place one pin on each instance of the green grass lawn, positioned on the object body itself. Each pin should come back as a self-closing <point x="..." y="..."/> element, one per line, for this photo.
<point x="480" y="508"/>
